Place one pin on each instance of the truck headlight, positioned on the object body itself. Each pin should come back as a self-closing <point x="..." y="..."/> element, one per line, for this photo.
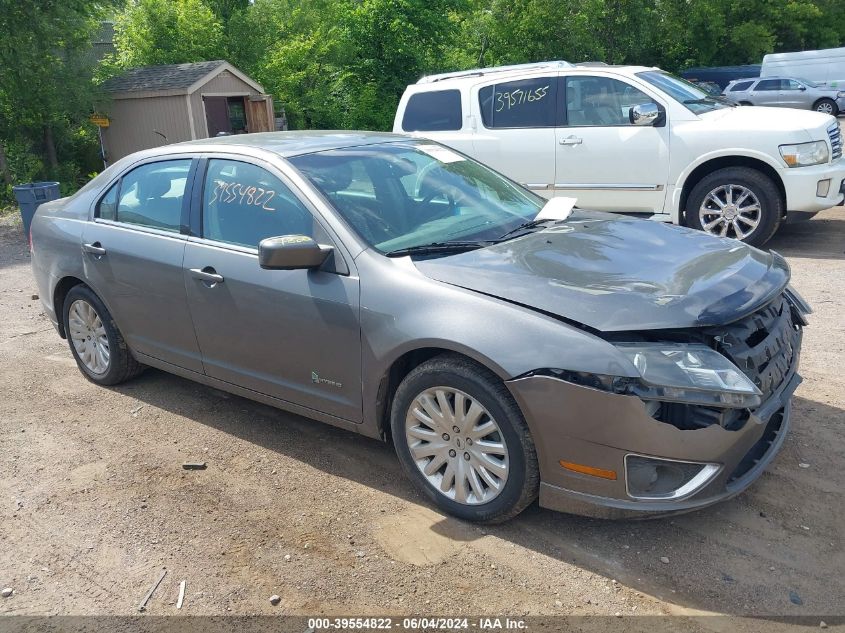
<point x="692" y="374"/>
<point x="804" y="154"/>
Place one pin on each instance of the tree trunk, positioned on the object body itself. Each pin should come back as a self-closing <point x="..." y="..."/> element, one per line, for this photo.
<point x="4" y="166"/>
<point x="50" y="148"/>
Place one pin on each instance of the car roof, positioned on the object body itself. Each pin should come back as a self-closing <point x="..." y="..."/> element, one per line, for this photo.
<point x="507" y="73"/>
<point x="287" y="144"/>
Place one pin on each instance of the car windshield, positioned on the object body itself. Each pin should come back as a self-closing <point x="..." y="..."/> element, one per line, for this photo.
<point x="410" y="194"/>
<point x="689" y="95"/>
<point x="807" y="82"/>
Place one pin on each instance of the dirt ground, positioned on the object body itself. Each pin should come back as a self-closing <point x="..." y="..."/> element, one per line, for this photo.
<point x="94" y="502"/>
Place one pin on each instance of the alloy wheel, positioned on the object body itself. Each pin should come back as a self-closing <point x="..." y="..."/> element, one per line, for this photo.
<point x="730" y="211"/>
<point x="825" y="108"/>
<point x="88" y="335"/>
<point x="457" y="445"/>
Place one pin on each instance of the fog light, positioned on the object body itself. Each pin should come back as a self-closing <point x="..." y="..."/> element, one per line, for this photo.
<point x="823" y="188"/>
<point x="653" y="478"/>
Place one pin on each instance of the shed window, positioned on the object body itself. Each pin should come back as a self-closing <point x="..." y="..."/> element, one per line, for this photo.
<point x="433" y="111"/>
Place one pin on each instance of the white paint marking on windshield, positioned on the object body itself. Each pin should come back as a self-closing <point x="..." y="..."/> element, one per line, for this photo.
<point x="443" y="154"/>
<point x="558" y="208"/>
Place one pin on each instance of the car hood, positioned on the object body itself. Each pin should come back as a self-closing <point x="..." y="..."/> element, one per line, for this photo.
<point x="613" y="273"/>
<point x="757" y="118"/>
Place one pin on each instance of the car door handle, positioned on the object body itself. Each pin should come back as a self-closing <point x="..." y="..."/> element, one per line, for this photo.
<point x="95" y="249"/>
<point x="571" y="140"/>
<point x="207" y="274"/>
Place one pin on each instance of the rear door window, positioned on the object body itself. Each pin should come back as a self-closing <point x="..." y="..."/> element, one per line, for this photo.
<point x="742" y="85"/>
<point x="433" y="111"/>
<point x="768" y="85"/>
<point x="150" y="195"/>
<point x="527" y="103"/>
<point x="244" y="204"/>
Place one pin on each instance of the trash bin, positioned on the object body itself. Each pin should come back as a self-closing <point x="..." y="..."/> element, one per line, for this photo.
<point x="32" y="194"/>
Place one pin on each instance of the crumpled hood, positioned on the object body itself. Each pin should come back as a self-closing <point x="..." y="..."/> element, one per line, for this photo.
<point x="614" y="273"/>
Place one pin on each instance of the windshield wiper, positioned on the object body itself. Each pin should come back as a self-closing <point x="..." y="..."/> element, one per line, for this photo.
<point x="709" y="100"/>
<point x="525" y="226"/>
<point x="454" y="246"/>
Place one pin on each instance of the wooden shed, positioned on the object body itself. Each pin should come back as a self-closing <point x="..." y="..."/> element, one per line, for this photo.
<point x="157" y="105"/>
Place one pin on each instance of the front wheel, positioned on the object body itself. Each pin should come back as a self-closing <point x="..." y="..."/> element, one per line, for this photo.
<point x="737" y="202"/>
<point x="826" y="106"/>
<point x="462" y="440"/>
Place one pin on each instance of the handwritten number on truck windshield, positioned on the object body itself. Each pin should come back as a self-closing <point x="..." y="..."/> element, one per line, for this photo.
<point x="239" y="193"/>
<point x="518" y="97"/>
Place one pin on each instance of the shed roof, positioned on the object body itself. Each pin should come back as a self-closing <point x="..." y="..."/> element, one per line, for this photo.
<point x="171" y="78"/>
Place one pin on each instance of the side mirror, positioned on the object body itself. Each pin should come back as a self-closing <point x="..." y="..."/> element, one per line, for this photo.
<point x="644" y="114"/>
<point x="802" y="88"/>
<point x="291" y="252"/>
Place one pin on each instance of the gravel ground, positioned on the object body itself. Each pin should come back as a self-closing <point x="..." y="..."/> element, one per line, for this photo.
<point x="94" y="502"/>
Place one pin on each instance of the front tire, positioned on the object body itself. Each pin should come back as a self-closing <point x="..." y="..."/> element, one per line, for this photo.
<point x="737" y="202"/>
<point x="462" y="440"/>
<point x="95" y="341"/>
<point x="826" y="106"/>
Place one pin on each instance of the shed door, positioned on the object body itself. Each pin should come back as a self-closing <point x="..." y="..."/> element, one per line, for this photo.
<point x="217" y="115"/>
<point x="259" y="117"/>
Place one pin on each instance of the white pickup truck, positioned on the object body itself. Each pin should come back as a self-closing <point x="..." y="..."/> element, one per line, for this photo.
<point x="637" y="140"/>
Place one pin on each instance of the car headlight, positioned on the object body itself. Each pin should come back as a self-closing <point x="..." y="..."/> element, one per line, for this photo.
<point x="692" y="374"/>
<point x="804" y="154"/>
<point x="840" y="94"/>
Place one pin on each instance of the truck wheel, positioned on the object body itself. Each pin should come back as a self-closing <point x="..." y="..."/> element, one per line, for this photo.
<point x="826" y="106"/>
<point x="737" y="202"/>
<point x="95" y="342"/>
<point x="461" y="439"/>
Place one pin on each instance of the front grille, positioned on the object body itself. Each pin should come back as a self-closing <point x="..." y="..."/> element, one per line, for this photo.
<point x="834" y="132"/>
<point x="763" y="345"/>
<point x="773" y="429"/>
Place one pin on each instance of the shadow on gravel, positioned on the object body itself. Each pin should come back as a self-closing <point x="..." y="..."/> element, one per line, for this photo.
<point x="14" y="249"/>
<point x="747" y="556"/>
<point x="822" y="237"/>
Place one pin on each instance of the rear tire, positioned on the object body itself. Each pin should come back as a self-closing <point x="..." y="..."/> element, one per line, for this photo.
<point x="826" y="106"/>
<point x="455" y="390"/>
<point x="709" y="205"/>
<point x="95" y="341"/>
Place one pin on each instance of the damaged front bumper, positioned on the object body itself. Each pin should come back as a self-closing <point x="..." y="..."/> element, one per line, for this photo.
<point x="574" y="424"/>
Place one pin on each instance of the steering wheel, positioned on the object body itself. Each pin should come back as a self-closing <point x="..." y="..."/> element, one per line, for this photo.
<point x="370" y="222"/>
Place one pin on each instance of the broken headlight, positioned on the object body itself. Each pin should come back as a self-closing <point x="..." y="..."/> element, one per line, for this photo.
<point x="692" y="374"/>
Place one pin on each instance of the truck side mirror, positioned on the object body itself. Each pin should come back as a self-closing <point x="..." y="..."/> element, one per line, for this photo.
<point x="646" y="114"/>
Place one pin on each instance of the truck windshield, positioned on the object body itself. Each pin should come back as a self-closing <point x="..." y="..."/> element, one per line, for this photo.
<point x="689" y="95"/>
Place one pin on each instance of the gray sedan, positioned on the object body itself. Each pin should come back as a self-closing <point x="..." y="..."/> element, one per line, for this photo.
<point x="786" y="92"/>
<point x="509" y="348"/>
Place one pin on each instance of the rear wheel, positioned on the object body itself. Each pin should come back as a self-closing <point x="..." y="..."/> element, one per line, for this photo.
<point x="95" y="341"/>
<point x="462" y="440"/>
<point x="826" y="106"/>
<point x="737" y="202"/>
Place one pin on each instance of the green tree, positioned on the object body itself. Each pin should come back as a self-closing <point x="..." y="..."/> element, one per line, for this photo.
<point x="46" y="93"/>
<point x="152" y="32"/>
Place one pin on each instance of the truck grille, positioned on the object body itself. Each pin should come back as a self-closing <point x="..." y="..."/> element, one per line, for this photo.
<point x="835" y="134"/>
